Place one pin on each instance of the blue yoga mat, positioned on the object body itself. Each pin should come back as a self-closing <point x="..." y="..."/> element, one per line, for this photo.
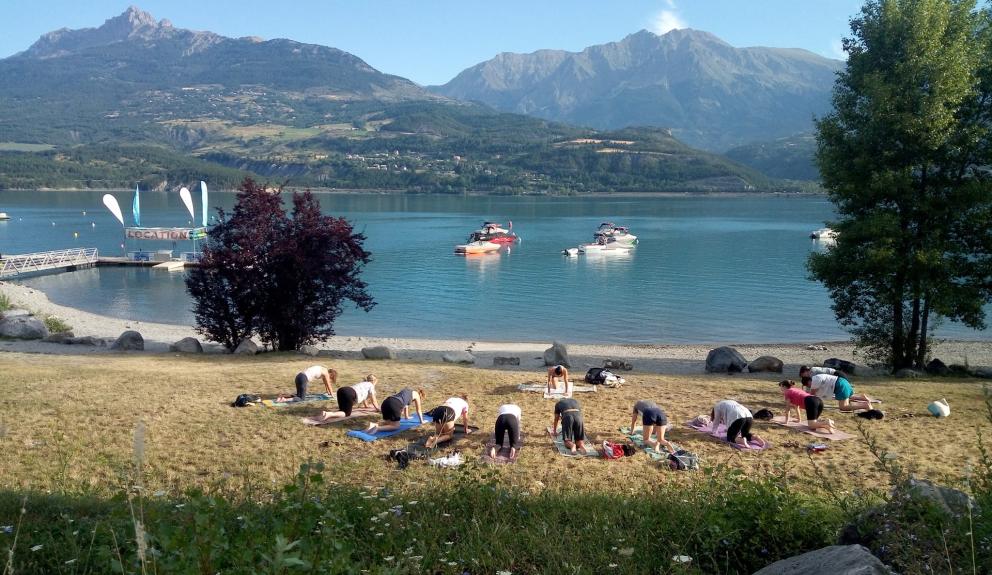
<point x="405" y="424"/>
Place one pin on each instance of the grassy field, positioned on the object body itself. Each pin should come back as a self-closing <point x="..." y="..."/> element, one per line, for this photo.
<point x="136" y="463"/>
<point x="67" y="421"/>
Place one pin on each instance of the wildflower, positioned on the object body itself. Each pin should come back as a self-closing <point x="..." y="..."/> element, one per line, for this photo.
<point x="390" y="558"/>
<point x="70" y="562"/>
<point x="37" y="547"/>
<point x="449" y="542"/>
<point x="452" y="563"/>
<point x="414" y="502"/>
<point x="612" y="565"/>
<point x="378" y="534"/>
<point x="446" y="514"/>
<point x="503" y="573"/>
<point x="180" y="505"/>
<point x="415" y="557"/>
<point x="159" y="493"/>
<point x="6" y="528"/>
<point x="627" y="551"/>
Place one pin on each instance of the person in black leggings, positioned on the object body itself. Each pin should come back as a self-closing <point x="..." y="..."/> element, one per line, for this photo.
<point x="507" y="424"/>
<point x="738" y="420"/>
<point x="396" y="408"/>
<point x="573" y="431"/>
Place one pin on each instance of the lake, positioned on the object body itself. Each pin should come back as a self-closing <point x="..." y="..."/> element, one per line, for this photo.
<point x="706" y="269"/>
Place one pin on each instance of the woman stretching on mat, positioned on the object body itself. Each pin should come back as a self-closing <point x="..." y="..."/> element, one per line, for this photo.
<point x="507" y="425"/>
<point x="738" y="420"/>
<point x="554" y="372"/>
<point x="361" y="394"/>
<point x="396" y="408"/>
<point x="303" y="379"/>
<point x="653" y="420"/>
<point x="573" y="432"/>
<point x="445" y="416"/>
<point x="825" y="385"/>
<point x="797" y="399"/>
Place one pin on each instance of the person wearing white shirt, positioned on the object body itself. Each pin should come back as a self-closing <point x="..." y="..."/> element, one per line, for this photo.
<point x="507" y="425"/>
<point x="445" y="416"/>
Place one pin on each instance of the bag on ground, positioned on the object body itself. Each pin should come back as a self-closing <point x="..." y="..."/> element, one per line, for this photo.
<point x="603" y="376"/>
<point x="683" y="460"/>
<point x="245" y="399"/>
<point x="939" y="408"/>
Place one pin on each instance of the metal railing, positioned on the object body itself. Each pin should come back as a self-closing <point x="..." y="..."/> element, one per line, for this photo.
<point x="44" y="261"/>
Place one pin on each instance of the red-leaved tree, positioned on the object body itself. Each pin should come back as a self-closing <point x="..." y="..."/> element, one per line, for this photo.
<point x="279" y="277"/>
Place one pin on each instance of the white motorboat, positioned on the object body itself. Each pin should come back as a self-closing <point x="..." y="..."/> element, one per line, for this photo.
<point x="4" y="216"/>
<point x="479" y="247"/>
<point x="824" y="234"/>
<point x="605" y="246"/>
<point x="620" y="234"/>
<point x="570" y="252"/>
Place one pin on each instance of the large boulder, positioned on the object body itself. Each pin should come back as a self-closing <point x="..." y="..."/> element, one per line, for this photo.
<point x="310" y="350"/>
<point x="725" y="360"/>
<point x="130" y="340"/>
<point x="187" y="345"/>
<point x="982" y="372"/>
<point x="615" y="364"/>
<point x="766" y="363"/>
<point x="950" y="500"/>
<point x="937" y="367"/>
<point x="462" y="357"/>
<point x="500" y="360"/>
<point x="833" y="560"/>
<point x="557" y="354"/>
<point x="22" y="326"/>
<point x="906" y="373"/>
<point x="246" y="347"/>
<point x="378" y="352"/>
<point x="847" y="367"/>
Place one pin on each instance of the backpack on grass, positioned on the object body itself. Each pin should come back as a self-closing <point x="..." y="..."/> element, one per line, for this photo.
<point x="245" y="399"/>
<point x="604" y="377"/>
<point x="683" y="460"/>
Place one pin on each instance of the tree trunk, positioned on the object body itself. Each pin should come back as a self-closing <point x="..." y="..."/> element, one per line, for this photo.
<point x="913" y="338"/>
<point x="922" y="349"/>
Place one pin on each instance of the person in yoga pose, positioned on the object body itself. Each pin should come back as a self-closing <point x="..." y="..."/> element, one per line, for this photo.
<point x="328" y="376"/>
<point x="507" y="425"/>
<point x="361" y="394"/>
<point x="738" y="420"/>
<point x="445" y="416"/>
<point x="555" y="372"/>
<point x="825" y="386"/>
<point x="797" y="399"/>
<point x="396" y="408"/>
<point x="573" y="431"/>
<point x="653" y="420"/>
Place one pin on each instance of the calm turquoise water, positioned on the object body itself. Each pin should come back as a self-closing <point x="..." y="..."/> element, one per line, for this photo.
<point x="708" y="269"/>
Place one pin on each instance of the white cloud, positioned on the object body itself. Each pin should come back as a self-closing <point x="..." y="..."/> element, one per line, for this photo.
<point x="666" y="21"/>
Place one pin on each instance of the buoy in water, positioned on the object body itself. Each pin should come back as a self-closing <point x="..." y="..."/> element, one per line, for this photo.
<point x="84" y="212"/>
<point x="75" y="234"/>
<point x="92" y="224"/>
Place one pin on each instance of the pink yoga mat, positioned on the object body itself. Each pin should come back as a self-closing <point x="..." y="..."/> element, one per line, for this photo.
<point x="837" y="435"/>
<point x="722" y="430"/>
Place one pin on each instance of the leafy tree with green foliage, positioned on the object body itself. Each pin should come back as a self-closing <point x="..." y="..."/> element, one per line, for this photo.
<point x="904" y="157"/>
<point x="280" y="277"/>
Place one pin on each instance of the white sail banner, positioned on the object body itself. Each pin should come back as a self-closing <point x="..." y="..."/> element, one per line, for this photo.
<point x="114" y="207"/>
<point x="187" y="199"/>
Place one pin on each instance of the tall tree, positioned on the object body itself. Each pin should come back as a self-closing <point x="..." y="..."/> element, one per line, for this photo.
<point x="904" y="157"/>
<point x="279" y="277"/>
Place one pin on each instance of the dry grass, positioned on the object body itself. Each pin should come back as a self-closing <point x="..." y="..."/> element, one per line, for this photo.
<point x="66" y="423"/>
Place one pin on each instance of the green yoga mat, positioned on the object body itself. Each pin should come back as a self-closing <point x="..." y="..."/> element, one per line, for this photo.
<point x="638" y="440"/>
<point x="590" y="451"/>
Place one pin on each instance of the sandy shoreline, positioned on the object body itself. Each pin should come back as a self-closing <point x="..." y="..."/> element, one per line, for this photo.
<point x="662" y="359"/>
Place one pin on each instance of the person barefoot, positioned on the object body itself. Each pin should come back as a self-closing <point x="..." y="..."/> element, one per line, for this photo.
<point x="361" y="394"/>
<point x="796" y="399"/>
<point x="507" y="425"/>
<point x="573" y="432"/>
<point x="328" y="376"/>
<point x="445" y="416"/>
<point x="396" y="408"/>
<point x="555" y="372"/>
<point x="738" y="420"/>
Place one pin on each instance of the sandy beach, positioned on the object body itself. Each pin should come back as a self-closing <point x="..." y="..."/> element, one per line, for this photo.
<point x="660" y="359"/>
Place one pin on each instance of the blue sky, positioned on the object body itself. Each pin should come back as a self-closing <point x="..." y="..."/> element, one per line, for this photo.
<point x="430" y="41"/>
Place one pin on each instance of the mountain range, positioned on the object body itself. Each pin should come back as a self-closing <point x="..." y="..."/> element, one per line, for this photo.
<point x="712" y="95"/>
<point x="94" y="107"/>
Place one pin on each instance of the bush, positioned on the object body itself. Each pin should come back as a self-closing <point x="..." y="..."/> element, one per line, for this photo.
<point x="56" y="325"/>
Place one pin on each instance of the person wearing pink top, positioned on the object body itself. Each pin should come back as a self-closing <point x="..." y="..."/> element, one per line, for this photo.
<point x="797" y="399"/>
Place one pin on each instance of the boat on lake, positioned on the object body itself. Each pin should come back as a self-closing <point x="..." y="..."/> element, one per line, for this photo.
<point x="4" y="216"/>
<point x="493" y="232"/>
<point x="621" y="234"/>
<point x="824" y="234"/>
<point x="478" y="247"/>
